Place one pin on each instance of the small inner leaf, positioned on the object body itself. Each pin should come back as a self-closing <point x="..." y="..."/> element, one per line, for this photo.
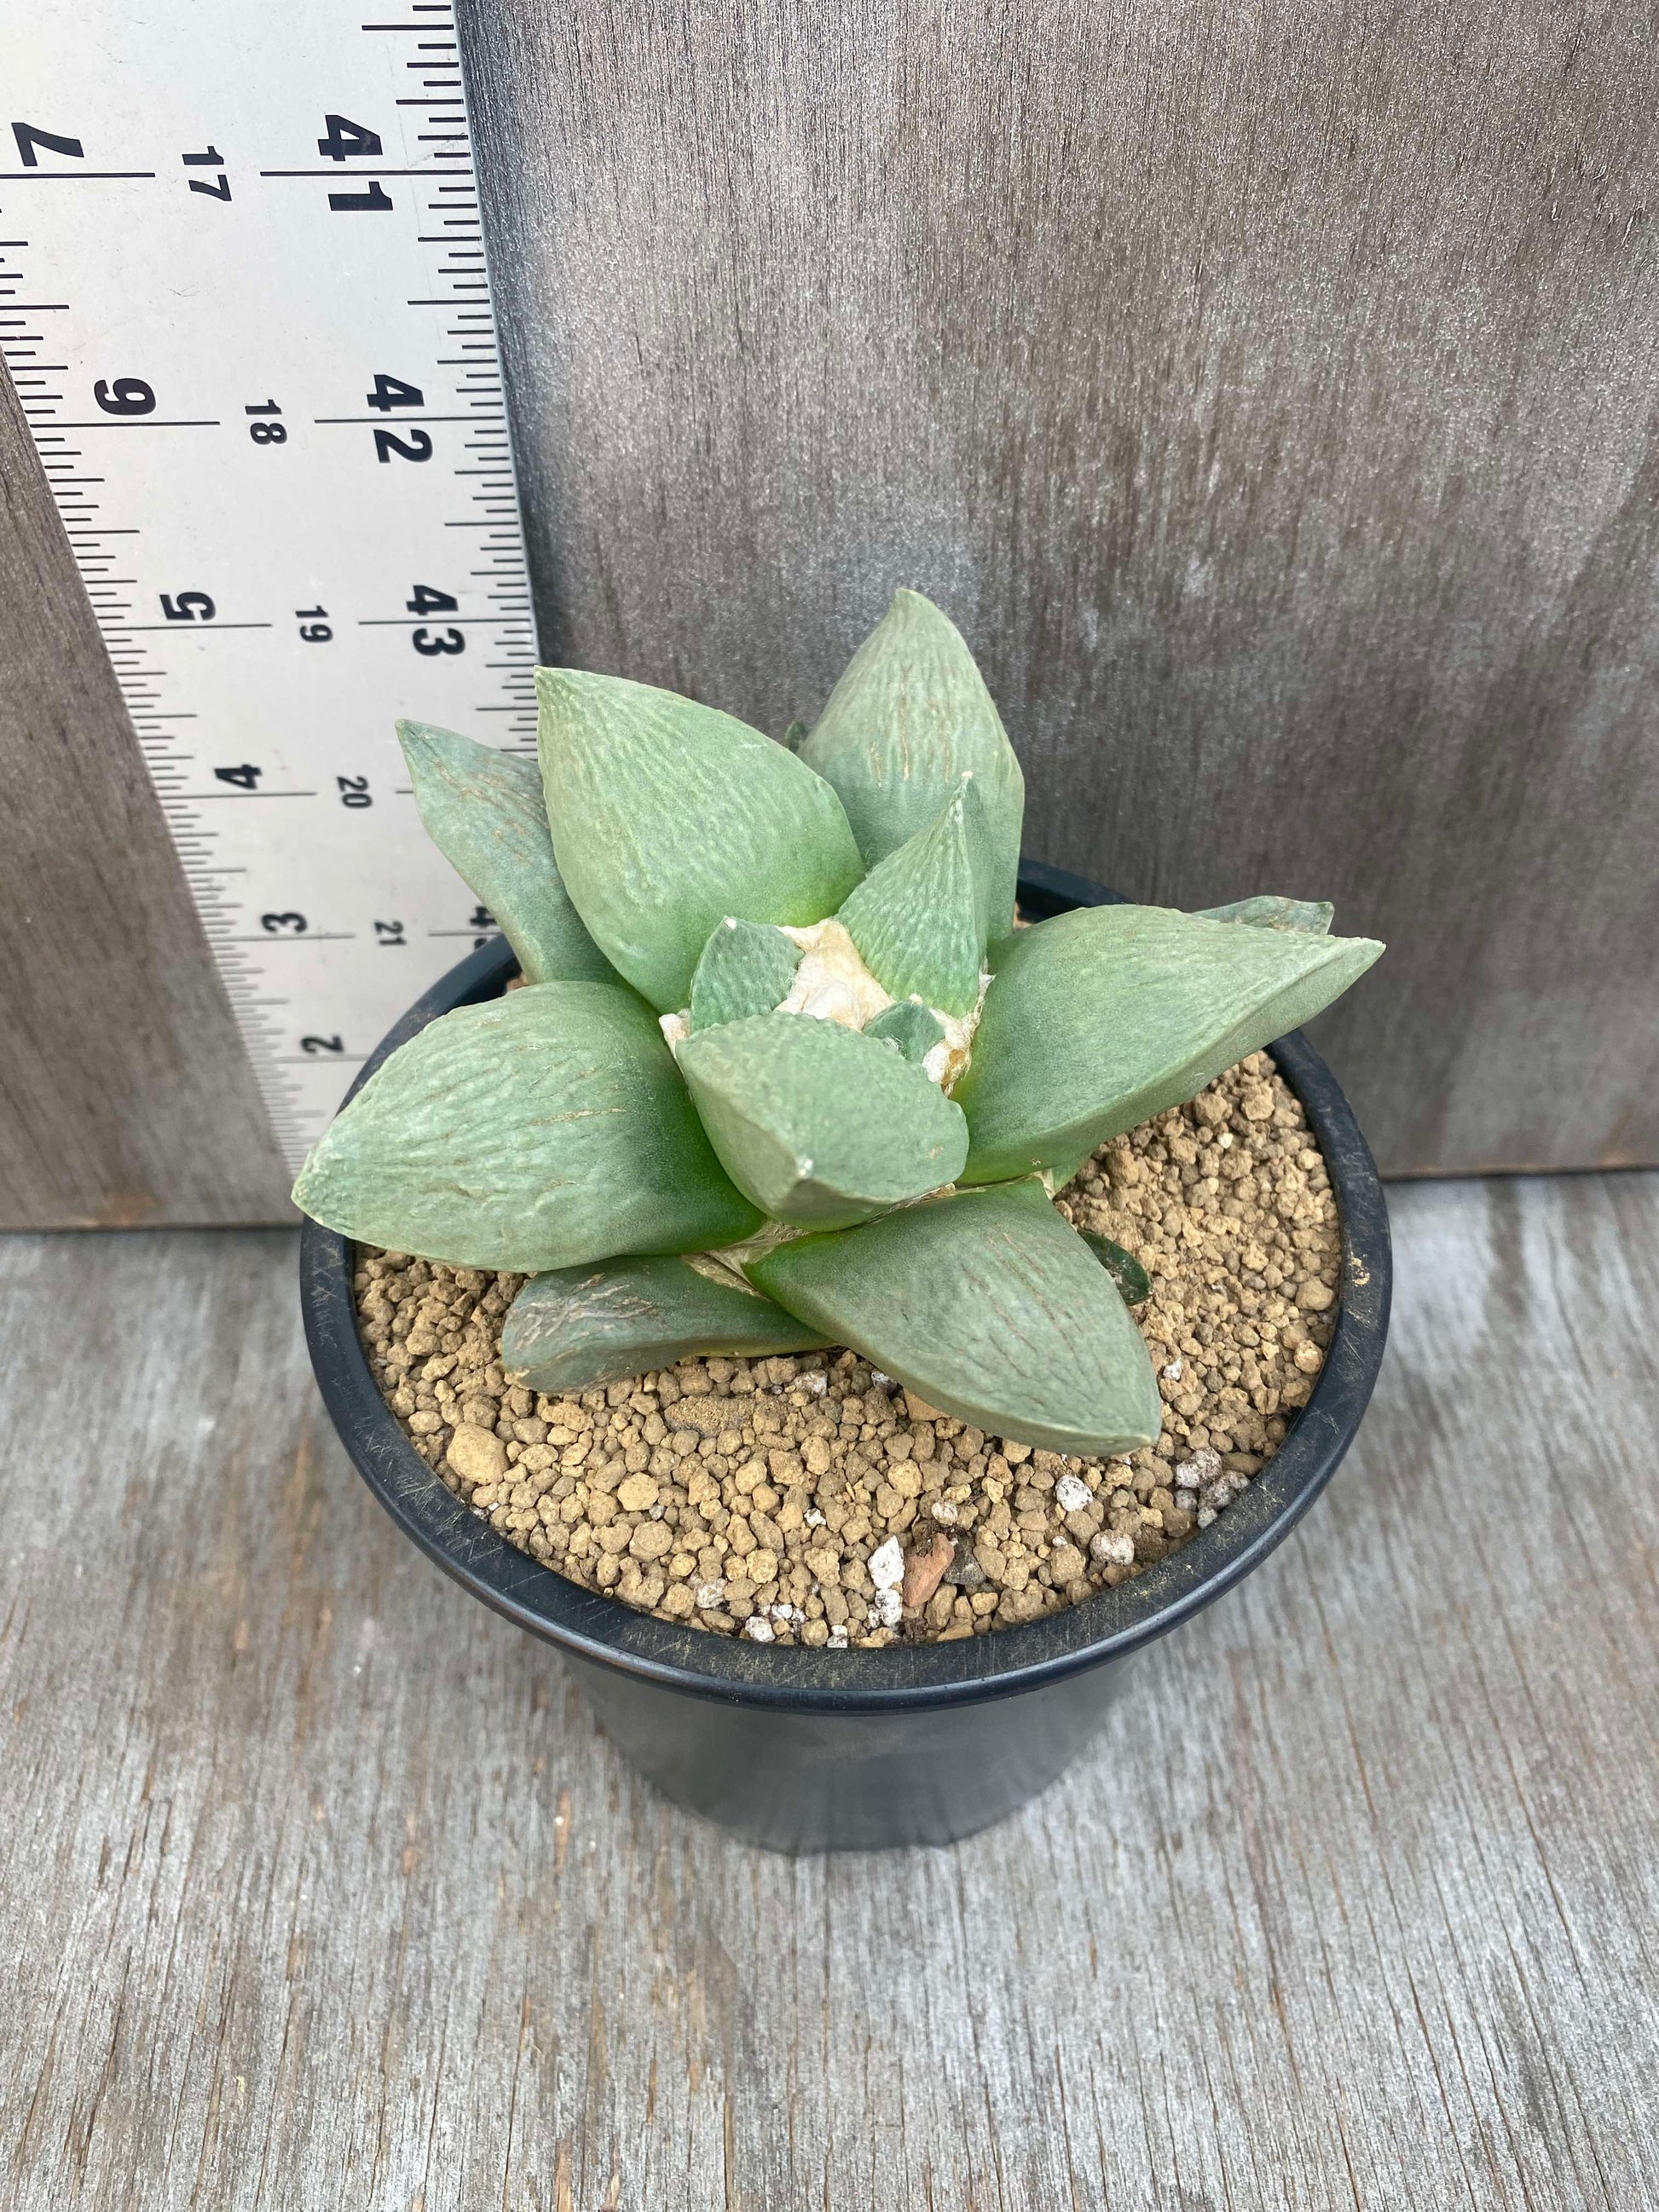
<point x="919" y="916"/>
<point x="1132" y="1281"/>
<point x="746" y="968"/>
<point x="820" y="1125"/>
<point x="484" y="811"/>
<point x="913" y="1027"/>
<point x="1267" y="911"/>
<point x="574" y="1328"/>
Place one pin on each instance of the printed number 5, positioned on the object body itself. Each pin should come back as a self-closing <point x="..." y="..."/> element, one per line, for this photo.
<point x="387" y="442"/>
<point x="448" y="641"/>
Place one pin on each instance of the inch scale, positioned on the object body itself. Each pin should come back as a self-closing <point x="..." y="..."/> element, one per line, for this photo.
<point x="244" y="304"/>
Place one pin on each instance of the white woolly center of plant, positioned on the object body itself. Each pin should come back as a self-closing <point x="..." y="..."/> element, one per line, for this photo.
<point x="832" y="984"/>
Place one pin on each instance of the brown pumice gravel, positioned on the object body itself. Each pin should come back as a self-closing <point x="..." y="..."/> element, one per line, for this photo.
<point x="813" y="1500"/>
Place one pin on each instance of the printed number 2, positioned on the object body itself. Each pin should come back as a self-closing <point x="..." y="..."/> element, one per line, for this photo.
<point x="418" y="448"/>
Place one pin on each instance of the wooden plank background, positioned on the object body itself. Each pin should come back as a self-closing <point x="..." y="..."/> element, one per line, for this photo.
<point x="1267" y="391"/>
<point x="318" y="1889"/>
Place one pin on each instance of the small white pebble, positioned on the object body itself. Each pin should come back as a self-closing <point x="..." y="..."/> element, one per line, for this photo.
<point x="1112" y="1551"/>
<point x="818" y="1383"/>
<point x="889" y="1608"/>
<point x="1205" y="1515"/>
<point x="786" y="1613"/>
<point x="758" y="1629"/>
<point x="1072" y="1494"/>
<point x="886" y="1565"/>
<point x="1172" y="1372"/>
<point x="837" y="1640"/>
<point x="814" y="1518"/>
<point x="942" y="1509"/>
<point x="882" y="1382"/>
<point x="711" y="1594"/>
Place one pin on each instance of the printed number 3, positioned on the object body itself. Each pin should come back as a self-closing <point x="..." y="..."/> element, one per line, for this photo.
<point x="448" y="641"/>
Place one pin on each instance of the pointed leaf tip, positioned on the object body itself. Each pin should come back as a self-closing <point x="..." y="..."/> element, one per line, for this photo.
<point x="919" y="917"/>
<point x="667" y="816"/>
<point x="547" y="1128"/>
<point x="988" y="1306"/>
<point x="483" y="810"/>
<point x="820" y="1125"/>
<point x="908" y="716"/>
<point x="575" y="1327"/>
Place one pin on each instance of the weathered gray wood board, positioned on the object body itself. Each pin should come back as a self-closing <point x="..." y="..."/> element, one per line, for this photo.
<point x="126" y="1095"/>
<point x="1267" y="392"/>
<point x="320" y="1890"/>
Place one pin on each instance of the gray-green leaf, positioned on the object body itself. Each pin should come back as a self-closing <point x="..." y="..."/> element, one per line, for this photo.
<point x="746" y="968"/>
<point x="667" y="816"/>
<point x="820" y="1125"/>
<point x="1267" y="911"/>
<point x="577" y="1326"/>
<point x="484" y="811"/>
<point x="548" y="1128"/>
<point x="1134" y="1283"/>
<point x="987" y="1305"/>
<point x="910" y="716"/>
<point x="1105" y="1016"/>
<point x="919" y="916"/>
<point x="910" y="1026"/>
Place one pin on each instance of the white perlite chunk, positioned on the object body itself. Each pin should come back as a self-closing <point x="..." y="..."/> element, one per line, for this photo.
<point x="1073" y="1495"/>
<point x="1112" y="1551"/>
<point x="758" y="1629"/>
<point x="711" y="1595"/>
<point x="889" y="1608"/>
<point x="1204" y="1467"/>
<point x="886" y="1565"/>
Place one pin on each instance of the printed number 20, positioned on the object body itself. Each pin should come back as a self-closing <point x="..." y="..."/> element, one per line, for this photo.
<point x="418" y="447"/>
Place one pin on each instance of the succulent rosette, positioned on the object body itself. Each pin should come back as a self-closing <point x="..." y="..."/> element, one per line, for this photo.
<point x="783" y="1072"/>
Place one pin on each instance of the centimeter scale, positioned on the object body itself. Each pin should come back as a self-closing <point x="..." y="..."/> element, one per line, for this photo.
<point x="244" y="304"/>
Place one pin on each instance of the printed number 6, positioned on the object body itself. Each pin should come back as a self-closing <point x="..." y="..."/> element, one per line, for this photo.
<point x="449" y="640"/>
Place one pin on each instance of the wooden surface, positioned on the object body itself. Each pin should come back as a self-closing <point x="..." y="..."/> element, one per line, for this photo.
<point x="1267" y="392"/>
<point x="126" y="1095"/>
<point x="321" y="1890"/>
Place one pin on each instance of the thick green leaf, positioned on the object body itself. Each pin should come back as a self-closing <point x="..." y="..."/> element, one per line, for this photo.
<point x="820" y="1125"/>
<point x="919" y="916"/>
<point x="548" y="1128"/>
<point x="909" y="1025"/>
<point x="1267" y="911"/>
<point x="1132" y="1281"/>
<point x="910" y="716"/>
<point x="1103" y="1017"/>
<point x="577" y="1326"/>
<point x="484" y="811"/>
<point x="989" y="1307"/>
<point x="746" y="968"/>
<point x="667" y="816"/>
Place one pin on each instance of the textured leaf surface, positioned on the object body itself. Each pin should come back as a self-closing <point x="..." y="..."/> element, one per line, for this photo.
<point x="1132" y="1281"/>
<point x="820" y="1125"/>
<point x="667" y="816"/>
<point x="1103" y="1017"/>
<point x="547" y="1128"/>
<point x="912" y="1028"/>
<point x="919" y="916"/>
<point x="576" y="1327"/>
<point x="989" y="1307"/>
<point x="909" y="716"/>
<point x="746" y="968"/>
<point x="1267" y="911"/>
<point x="484" y="811"/>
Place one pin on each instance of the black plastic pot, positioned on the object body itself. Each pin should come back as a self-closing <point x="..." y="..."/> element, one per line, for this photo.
<point x="805" y="1751"/>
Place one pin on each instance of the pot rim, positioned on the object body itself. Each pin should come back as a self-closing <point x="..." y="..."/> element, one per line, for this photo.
<point x="907" y="1676"/>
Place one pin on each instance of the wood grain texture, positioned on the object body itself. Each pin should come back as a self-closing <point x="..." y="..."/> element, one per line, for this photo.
<point x="320" y="1889"/>
<point x="126" y="1094"/>
<point x="1267" y="392"/>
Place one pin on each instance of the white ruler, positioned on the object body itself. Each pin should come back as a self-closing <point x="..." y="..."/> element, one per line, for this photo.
<point x="244" y="303"/>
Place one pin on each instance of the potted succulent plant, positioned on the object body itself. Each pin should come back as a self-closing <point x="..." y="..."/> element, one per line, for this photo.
<point x="781" y="1072"/>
